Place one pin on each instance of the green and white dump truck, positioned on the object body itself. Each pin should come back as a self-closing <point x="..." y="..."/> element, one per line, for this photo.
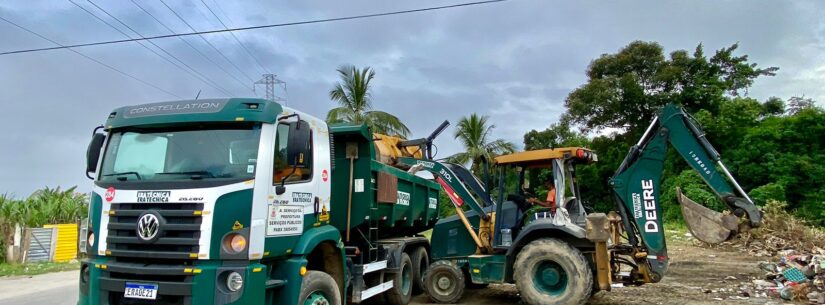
<point x="245" y="201"/>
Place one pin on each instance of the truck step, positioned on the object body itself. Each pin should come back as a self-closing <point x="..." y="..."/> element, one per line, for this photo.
<point x="373" y="291"/>
<point x="367" y="268"/>
<point x="274" y="283"/>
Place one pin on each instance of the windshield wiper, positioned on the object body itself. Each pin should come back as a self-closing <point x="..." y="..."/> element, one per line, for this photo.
<point x="194" y="175"/>
<point x="124" y="173"/>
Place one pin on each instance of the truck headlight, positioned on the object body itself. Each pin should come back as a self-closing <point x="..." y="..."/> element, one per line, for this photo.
<point x="234" y="281"/>
<point x="234" y="243"/>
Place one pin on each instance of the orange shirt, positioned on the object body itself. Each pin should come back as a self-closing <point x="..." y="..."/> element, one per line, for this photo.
<point x="551" y="197"/>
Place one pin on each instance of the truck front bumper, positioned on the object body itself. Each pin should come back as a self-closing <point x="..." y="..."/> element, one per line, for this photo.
<point x="103" y="282"/>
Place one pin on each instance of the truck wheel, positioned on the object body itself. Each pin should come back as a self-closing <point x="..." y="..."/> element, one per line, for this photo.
<point x="420" y="263"/>
<point x="549" y="271"/>
<point x="444" y="282"/>
<point x="318" y="288"/>
<point x="402" y="286"/>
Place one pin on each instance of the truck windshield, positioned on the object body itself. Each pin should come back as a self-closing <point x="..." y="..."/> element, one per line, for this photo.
<point x="181" y="154"/>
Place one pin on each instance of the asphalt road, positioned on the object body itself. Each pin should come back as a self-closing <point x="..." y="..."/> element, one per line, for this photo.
<point x="58" y="288"/>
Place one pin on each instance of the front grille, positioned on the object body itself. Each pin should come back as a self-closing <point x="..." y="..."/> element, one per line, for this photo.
<point x="179" y="237"/>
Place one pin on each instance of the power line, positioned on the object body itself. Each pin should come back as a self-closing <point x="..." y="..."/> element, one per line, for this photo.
<point x="188" y="43"/>
<point x="204" y="79"/>
<point x="92" y="59"/>
<point x="258" y="27"/>
<point x="207" y="41"/>
<point x="146" y="47"/>
<point x="236" y="37"/>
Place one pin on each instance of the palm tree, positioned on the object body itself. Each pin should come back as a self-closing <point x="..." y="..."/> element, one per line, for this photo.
<point x="355" y="100"/>
<point x="474" y="133"/>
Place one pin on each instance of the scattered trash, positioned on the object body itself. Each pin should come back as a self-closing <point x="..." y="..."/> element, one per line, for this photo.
<point x="796" y="276"/>
<point x="794" y="266"/>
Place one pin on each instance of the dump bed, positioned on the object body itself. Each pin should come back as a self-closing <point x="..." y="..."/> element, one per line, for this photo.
<point x="396" y="202"/>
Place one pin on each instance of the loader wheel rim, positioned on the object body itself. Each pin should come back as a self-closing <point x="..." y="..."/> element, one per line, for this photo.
<point x="550" y="278"/>
<point x="444" y="285"/>
<point x="316" y="298"/>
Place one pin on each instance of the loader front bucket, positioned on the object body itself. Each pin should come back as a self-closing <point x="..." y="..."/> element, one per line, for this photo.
<point x="705" y="224"/>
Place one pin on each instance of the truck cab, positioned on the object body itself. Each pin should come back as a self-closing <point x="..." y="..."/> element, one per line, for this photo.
<point x="230" y="201"/>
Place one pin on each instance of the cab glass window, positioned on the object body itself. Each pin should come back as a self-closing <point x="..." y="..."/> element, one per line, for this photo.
<point x="282" y="171"/>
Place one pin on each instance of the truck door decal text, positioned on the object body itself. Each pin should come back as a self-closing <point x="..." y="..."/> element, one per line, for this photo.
<point x="285" y="220"/>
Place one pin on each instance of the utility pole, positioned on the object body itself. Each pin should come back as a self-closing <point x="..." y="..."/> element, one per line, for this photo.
<point x="269" y="81"/>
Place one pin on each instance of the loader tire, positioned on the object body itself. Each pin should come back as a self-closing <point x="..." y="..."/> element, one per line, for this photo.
<point x="550" y="271"/>
<point x="319" y="288"/>
<point x="444" y="282"/>
<point x="420" y="263"/>
<point x="402" y="288"/>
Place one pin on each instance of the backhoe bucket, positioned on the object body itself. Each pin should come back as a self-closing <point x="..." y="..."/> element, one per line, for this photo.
<point x="705" y="224"/>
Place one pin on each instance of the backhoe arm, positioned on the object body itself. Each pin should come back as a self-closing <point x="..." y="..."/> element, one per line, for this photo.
<point x="637" y="184"/>
<point x="457" y="182"/>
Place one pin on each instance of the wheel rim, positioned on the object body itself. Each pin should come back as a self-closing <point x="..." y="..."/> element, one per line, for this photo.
<point x="406" y="279"/>
<point x="316" y="298"/>
<point x="444" y="285"/>
<point x="550" y="278"/>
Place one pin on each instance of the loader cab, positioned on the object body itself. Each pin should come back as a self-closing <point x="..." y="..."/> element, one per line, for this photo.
<point x="531" y="171"/>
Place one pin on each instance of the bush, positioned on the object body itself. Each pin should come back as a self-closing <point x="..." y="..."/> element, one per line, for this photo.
<point x="45" y="206"/>
<point x="768" y="192"/>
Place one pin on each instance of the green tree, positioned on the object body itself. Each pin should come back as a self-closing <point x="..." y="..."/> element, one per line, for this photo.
<point x="475" y="134"/>
<point x="773" y="106"/>
<point x="624" y="90"/>
<point x="557" y="135"/>
<point x="354" y="96"/>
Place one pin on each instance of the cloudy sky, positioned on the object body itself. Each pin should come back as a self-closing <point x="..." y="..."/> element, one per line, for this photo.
<point x="515" y="61"/>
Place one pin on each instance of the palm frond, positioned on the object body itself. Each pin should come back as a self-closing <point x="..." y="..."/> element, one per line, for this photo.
<point x="340" y="114"/>
<point x="383" y="122"/>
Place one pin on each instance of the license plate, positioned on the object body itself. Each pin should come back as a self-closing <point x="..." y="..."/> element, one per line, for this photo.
<point x="141" y="291"/>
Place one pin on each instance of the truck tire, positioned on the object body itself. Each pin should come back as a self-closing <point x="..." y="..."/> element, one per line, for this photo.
<point x="318" y="288"/>
<point x="420" y="263"/>
<point x="402" y="287"/>
<point x="549" y="271"/>
<point x="444" y="282"/>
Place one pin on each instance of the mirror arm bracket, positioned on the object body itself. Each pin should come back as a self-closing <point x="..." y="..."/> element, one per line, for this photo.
<point x="281" y="189"/>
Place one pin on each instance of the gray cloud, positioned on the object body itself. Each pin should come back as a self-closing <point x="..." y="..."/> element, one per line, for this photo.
<point x="514" y="61"/>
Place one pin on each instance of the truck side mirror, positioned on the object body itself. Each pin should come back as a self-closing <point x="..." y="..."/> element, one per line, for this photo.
<point x="299" y="145"/>
<point x="93" y="153"/>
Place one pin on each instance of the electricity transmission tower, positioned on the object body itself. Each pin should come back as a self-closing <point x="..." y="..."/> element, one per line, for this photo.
<point x="270" y="81"/>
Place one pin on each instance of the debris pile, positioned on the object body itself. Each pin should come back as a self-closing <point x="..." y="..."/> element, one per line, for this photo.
<point x="795" y="276"/>
<point x="798" y="270"/>
<point x="780" y="231"/>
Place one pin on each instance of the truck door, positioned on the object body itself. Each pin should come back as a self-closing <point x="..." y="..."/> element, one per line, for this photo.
<point x="297" y="198"/>
<point x="302" y="202"/>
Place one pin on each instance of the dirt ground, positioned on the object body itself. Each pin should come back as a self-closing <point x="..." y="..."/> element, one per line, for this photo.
<point x="696" y="275"/>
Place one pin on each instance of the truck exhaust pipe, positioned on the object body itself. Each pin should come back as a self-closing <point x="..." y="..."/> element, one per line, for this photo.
<point x="705" y="224"/>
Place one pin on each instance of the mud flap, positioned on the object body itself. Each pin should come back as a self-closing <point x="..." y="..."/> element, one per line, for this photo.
<point x="705" y="224"/>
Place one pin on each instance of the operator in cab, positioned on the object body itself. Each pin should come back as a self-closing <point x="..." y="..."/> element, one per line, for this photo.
<point x="543" y="208"/>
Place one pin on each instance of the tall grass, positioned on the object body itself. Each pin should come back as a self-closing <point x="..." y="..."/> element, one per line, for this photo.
<point x="44" y="206"/>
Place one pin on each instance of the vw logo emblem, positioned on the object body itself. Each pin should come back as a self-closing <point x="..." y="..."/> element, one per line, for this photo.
<point x="148" y="227"/>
